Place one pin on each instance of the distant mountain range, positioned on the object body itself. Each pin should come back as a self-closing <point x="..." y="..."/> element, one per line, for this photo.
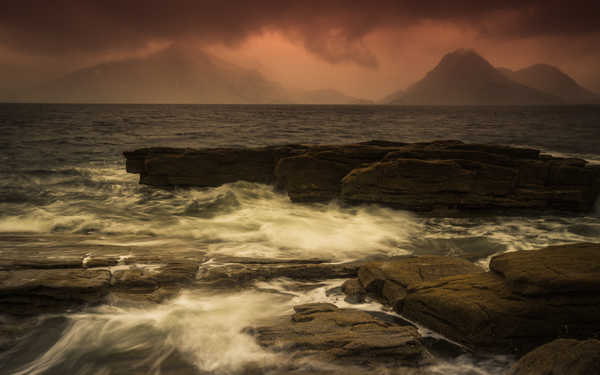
<point x="463" y="77"/>
<point x="175" y="75"/>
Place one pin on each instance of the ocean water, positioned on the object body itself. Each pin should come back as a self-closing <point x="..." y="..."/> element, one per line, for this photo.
<point x="63" y="183"/>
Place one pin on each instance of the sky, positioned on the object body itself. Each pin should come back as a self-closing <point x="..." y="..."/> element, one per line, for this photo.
<point x="366" y="49"/>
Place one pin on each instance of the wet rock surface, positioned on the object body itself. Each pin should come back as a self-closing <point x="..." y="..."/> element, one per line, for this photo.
<point x="388" y="281"/>
<point x="326" y="333"/>
<point x="30" y="292"/>
<point x="561" y="357"/>
<point x="243" y="272"/>
<point x="39" y="277"/>
<point x="556" y="269"/>
<point x="527" y="299"/>
<point x="162" y="166"/>
<point x="492" y="312"/>
<point x="429" y="176"/>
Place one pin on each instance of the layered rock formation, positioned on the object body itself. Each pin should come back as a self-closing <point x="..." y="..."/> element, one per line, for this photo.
<point x="344" y="336"/>
<point x="418" y="176"/>
<point x="58" y="279"/>
<point x="388" y="281"/>
<point x="527" y="299"/>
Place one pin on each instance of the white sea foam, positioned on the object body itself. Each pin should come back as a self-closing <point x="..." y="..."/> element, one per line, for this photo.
<point x="204" y="330"/>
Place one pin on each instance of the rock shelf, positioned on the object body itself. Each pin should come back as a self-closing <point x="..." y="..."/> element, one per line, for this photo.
<point x="440" y="175"/>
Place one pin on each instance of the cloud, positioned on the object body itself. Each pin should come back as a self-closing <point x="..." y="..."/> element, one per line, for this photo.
<point x="333" y="30"/>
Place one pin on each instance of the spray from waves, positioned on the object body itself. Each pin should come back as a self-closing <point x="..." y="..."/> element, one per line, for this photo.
<point x="240" y="219"/>
<point x="203" y="331"/>
<point x="199" y="331"/>
<point x="252" y="220"/>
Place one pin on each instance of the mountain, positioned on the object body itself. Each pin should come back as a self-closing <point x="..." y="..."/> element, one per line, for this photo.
<point x="396" y="96"/>
<point x="327" y="96"/>
<point x="552" y="80"/>
<point x="464" y="78"/>
<point x="173" y="75"/>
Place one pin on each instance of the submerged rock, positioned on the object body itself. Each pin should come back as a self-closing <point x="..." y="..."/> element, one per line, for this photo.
<point x="425" y="176"/>
<point x="343" y="336"/>
<point x="31" y="292"/>
<point x="561" y="357"/>
<point x="539" y="296"/>
<point x="240" y="273"/>
<point x="354" y="291"/>
<point x="152" y="284"/>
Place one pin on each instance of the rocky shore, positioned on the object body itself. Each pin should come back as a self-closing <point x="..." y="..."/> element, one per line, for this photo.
<point x="546" y="299"/>
<point x="539" y="307"/>
<point x="440" y="175"/>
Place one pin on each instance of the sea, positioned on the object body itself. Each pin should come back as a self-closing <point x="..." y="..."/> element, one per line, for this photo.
<point x="63" y="184"/>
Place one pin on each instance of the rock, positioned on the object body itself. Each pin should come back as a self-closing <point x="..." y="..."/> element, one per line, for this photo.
<point x="354" y="291"/>
<point x="343" y="336"/>
<point x="556" y="269"/>
<point x="389" y="280"/>
<point x="154" y="283"/>
<point x="39" y="262"/>
<point x="427" y="176"/>
<point x="208" y="167"/>
<point x="315" y="175"/>
<point x="469" y="248"/>
<point x="239" y="275"/>
<point x="38" y="277"/>
<point x="30" y="292"/>
<point x="561" y="357"/>
<point x="484" y="311"/>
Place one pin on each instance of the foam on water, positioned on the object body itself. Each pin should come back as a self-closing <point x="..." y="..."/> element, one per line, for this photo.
<point x="252" y="220"/>
<point x="205" y="331"/>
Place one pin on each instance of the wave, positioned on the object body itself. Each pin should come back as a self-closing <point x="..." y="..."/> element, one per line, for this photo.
<point x="204" y="331"/>
<point x="252" y="220"/>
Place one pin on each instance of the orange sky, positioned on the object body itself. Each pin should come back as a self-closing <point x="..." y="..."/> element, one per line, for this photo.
<point x="403" y="56"/>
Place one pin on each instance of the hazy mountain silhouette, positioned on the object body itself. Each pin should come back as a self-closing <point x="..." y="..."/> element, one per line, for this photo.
<point x="464" y="78"/>
<point x="394" y="97"/>
<point x="552" y="80"/>
<point x="327" y="96"/>
<point x="174" y="75"/>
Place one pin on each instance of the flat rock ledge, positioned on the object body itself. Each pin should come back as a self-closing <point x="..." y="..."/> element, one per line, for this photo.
<point x="29" y="292"/>
<point x="431" y="176"/>
<point x="328" y="334"/>
<point x="388" y="281"/>
<point x="47" y="279"/>
<point x="527" y="299"/>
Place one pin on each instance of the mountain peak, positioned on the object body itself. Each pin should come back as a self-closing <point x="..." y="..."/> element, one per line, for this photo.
<point x="552" y="80"/>
<point x="463" y="77"/>
<point x="464" y="61"/>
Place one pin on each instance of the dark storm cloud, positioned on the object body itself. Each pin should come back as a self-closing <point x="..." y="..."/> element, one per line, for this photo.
<point x="332" y="30"/>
